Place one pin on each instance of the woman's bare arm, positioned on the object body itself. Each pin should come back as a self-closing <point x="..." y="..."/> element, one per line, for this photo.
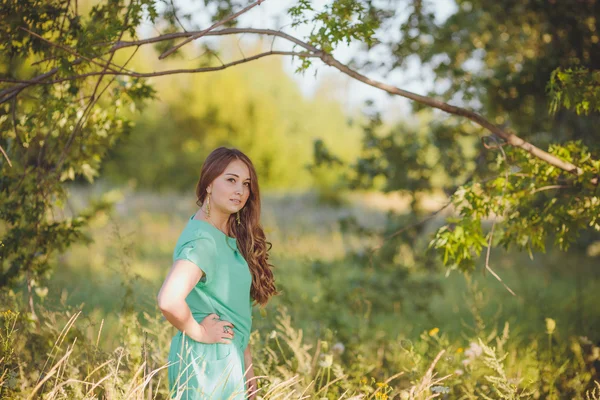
<point x="180" y="281"/>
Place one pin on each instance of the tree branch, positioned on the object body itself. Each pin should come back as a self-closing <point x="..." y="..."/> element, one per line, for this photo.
<point x="204" y="32"/>
<point x="328" y="59"/>
<point x="5" y="156"/>
<point x="12" y="92"/>
<point x="168" y="72"/>
<point x="510" y="138"/>
<point x="221" y="32"/>
<point x="311" y="51"/>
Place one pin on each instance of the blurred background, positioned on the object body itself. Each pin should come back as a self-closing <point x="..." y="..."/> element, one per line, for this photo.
<point x="354" y="184"/>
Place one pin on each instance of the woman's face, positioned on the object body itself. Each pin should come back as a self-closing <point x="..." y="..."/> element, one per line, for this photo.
<point x="230" y="190"/>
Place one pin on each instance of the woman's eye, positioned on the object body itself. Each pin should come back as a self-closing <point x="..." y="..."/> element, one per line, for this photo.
<point x="247" y="183"/>
<point x="231" y="180"/>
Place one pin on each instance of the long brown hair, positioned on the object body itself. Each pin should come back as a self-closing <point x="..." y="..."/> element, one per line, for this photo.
<point x="249" y="233"/>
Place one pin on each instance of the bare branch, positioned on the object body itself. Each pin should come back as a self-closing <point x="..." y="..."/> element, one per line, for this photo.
<point x="10" y="93"/>
<point x="549" y="187"/>
<point x="510" y="138"/>
<point x="176" y="17"/>
<point x="5" y="156"/>
<point x="328" y="59"/>
<point x="172" y="72"/>
<point x="221" y="32"/>
<point x="213" y="26"/>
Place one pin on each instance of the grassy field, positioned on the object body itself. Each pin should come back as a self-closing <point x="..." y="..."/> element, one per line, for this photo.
<point x="134" y="247"/>
<point x="327" y="298"/>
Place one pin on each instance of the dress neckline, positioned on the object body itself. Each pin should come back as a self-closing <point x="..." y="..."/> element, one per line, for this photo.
<point x="212" y="226"/>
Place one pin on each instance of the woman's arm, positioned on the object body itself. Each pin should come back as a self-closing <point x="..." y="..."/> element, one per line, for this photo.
<point x="180" y="281"/>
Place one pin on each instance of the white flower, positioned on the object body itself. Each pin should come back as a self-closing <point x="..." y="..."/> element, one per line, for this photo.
<point x="326" y="360"/>
<point x="440" y="389"/>
<point x="273" y="334"/>
<point x="338" y="348"/>
<point x="473" y="351"/>
<point x="585" y="340"/>
<point x="459" y="372"/>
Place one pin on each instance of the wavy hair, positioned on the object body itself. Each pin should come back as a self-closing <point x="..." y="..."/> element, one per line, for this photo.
<point x="249" y="233"/>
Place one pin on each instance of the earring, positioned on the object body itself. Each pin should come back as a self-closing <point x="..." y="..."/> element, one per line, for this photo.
<point x="208" y="205"/>
<point x="237" y="217"/>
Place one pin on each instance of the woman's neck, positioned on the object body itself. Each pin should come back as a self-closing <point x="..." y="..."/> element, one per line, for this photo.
<point x="218" y="221"/>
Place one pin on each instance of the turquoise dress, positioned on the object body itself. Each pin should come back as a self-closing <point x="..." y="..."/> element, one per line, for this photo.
<point x="202" y="371"/>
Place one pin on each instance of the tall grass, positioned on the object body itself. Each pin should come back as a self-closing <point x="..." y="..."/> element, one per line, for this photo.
<point x="98" y="333"/>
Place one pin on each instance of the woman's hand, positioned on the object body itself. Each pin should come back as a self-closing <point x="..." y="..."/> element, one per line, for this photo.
<point x="212" y="330"/>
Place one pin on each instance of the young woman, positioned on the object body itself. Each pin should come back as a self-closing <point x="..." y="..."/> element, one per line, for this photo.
<point x="219" y="269"/>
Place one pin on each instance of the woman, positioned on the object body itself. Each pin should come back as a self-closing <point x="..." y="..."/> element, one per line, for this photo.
<point x="219" y="268"/>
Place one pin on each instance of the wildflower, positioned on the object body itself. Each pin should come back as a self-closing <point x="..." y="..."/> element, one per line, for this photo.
<point x="381" y="396"/>
<point x="381" y="384"/>
<point x="273" y="334"/>
<point x="41" y="292"/>
<point x="363" y="380"/>
<point x="326" y="360"/>
<point x="440" y="389"/>
<point x="434" y="331"/>
<point x="585" y="340"/>
<point x="473" y="351"/>
<point x="459" y="350"/>
<point x="459" y="372"/>
<point x="338" y="348"/>
<point x="550" y="326"/>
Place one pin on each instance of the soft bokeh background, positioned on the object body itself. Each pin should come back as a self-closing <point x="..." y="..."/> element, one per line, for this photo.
<point x="361" y="301"/>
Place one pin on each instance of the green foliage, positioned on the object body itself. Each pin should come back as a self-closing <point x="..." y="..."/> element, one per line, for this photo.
<point x="61" y="132"/>
<point x="461" y="243"/>
<point x="466" y="50"/>
<point x="497" y="58"/>
<point x="575" y="89"/>
<point x="532" y="206"/>
<point x="45" y="155"/>
<point x="337" y="22"/>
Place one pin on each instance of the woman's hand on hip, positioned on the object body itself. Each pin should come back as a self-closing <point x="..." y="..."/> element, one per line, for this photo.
<point x="215" y="330"/>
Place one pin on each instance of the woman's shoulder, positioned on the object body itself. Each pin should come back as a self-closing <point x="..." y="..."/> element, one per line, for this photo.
<point x="196" y="245"/>
<point x="195" y="231"/>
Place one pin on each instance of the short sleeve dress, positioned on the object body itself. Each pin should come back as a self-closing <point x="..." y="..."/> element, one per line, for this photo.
<point x="202" y="371"/>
